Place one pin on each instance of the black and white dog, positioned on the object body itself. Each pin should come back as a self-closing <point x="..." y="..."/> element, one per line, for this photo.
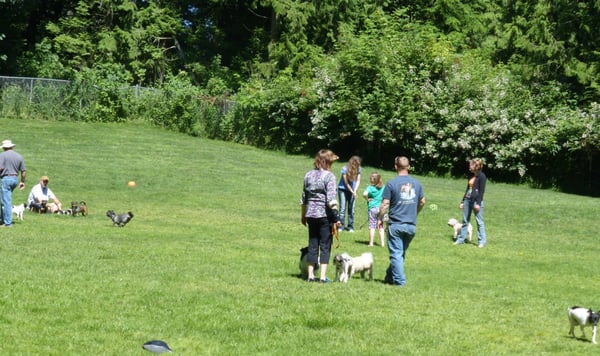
<point x="119" y="220"/>
<point x="303" y="264"/>
<point x="583" y="317"/>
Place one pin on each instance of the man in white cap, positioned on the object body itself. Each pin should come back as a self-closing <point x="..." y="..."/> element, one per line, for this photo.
<point x="11" y="164"/>
<point x="41" y="193"/>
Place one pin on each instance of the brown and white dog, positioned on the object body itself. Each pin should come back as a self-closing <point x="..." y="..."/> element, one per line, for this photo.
<point x="346" y="266"/>
<point x="583" y="317"/>
<point x="79" y="208"/>
<point x="456" y="226"/>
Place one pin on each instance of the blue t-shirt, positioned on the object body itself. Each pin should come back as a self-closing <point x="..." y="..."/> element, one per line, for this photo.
<point x="352" y="183"/>
<point x="404" y="194"/>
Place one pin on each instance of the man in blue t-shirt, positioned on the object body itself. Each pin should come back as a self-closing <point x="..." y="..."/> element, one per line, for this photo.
<point x="404" y="198"/>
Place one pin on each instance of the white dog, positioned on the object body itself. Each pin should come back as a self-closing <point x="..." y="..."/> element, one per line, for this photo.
<point x="18" y="210"/>
<point x="342" y="263"/>
<point x="583" y="317"/>
<point x="347" y="266"/>
<point x="456" y="226"/>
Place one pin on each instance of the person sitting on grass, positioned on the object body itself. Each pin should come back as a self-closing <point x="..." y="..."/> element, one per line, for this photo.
<point x="40" y="195"/>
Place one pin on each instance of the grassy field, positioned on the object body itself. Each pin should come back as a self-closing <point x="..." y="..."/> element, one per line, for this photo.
<point x="209" y="263"/>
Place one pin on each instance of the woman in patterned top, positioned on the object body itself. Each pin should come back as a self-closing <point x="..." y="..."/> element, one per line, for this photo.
<point x="319" y="212"/>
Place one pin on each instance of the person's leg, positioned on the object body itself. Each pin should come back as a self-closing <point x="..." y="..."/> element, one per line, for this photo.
<point x="464" y="231"/>
<point x="351" y="206"/>
<point x="481" y="227"/>
<point x="382" y="236"/>
<point x="342" y="208"/>
<point x="8" y="185"/>
<point x="373" y="212"/>
<point x="312" y="256"/>
<point x="325" y="240"/>
<point x="399" y="238"/>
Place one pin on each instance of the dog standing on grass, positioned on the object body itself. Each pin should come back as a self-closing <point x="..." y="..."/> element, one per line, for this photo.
<point x="79" y="208"/>
<point x="18" y="210"/>
<point x="583" y="317"/>
<point x="119" y="220"/>
<point x="346" y="266"/>
<point x="456" y="226"/>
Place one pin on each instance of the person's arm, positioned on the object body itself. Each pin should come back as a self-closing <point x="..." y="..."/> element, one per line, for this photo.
<point x="383" y="209"/>
<point x="480" y="186"/>
<point x="481" y="180"/>
<point x="31" y="198"/>
<point x="357" y="184"/>
<point x="346" y="183"/>
<point x="462" y="201"/>
<point x="421" y="205"/>
<point x="23" y="176"/>
<point x="53" y="196"/>
<point x="303" y="215"/>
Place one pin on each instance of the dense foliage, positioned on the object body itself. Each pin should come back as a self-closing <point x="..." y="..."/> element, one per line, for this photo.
<point x="514" y="82"/>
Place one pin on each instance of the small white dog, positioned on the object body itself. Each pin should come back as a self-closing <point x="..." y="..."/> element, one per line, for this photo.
<point x="342" y="263"/>
<point x="456" y="226"/>
<point x="347" y="266"/>
<point x="18" y="211"/>
<point x="583" y="317"/>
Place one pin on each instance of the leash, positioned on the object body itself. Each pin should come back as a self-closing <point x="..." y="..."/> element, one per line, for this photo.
<point x="336" y="234"/>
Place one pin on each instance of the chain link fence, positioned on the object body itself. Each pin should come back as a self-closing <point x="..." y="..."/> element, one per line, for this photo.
<point x="29" y="85"/>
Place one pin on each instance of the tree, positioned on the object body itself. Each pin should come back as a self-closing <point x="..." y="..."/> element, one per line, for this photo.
<point x="142" y="39"/>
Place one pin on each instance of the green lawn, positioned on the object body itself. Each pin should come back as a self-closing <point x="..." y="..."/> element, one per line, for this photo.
<point x="209" y="263"/>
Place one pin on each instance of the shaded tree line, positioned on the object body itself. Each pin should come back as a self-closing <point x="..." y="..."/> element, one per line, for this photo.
<point x="514" y="82"/>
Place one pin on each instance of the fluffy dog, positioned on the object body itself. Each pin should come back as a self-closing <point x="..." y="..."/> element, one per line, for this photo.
<point x="342" y="265"/>
<point x="303" y="264"/>
<point x="456" y="226"/>
<point x="583" y="317"/>
<point x="346" y="266"/>
<point x="79" y="208"/>
<point x="119" y="220"/>
<point x="18" y="210"/>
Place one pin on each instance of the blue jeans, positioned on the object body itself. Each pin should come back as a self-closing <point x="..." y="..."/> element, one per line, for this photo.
<point x="9" y="183"/>
<point x="399" y="238"/>
<point x="467" y="209"/>
<point x="347" y="199"/>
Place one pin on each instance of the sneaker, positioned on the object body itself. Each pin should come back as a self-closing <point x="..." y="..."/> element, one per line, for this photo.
<point x="350" y="230"/>
<point x="481" y="246"/>
<point x="310" y="280"/>
<point x="326" y="280"/>
<point x="458" y="243"/>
